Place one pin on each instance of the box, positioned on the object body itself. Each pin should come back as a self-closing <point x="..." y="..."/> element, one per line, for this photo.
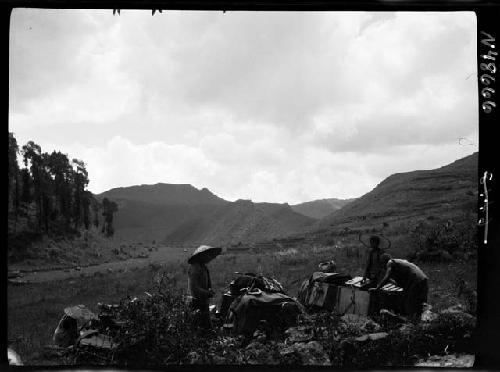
<point x="390" y="297"/>
<point x="352" y="300"/>
<point x="323" y="295"/>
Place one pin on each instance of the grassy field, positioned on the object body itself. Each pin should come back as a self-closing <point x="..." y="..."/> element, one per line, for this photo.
<point x="35" y="309"/>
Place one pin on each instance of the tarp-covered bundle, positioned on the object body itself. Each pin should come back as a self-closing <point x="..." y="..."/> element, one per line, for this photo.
<point x="248" y="281"/>
<point x="249" y="309"/>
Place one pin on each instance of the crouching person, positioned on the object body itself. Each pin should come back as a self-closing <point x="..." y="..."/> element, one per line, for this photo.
<point x="409" y="277"/>
<point x="200" y="285"/>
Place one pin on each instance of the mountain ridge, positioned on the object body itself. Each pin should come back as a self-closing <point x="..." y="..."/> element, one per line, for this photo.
<point x="441" y="191"/>
<point x="181" y="214"/>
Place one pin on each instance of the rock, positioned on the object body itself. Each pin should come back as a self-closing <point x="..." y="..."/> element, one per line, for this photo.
<point x="14" y="358"/>
<point x="454" y="309"/>
<point x="298" y="334"/>
<point x="452" y="360"/>
<point x="407" y="328"/>
<point x="99" y="341"/>
<point x="195" y="358"/>
<point x="254" y="345"/>
<point x="372" y="337"/>
<point x="216" y="359"/>
<point x="428" y="316"/>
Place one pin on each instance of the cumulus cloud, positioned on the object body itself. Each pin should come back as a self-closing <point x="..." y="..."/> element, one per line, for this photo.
<point x="269" y="106"/>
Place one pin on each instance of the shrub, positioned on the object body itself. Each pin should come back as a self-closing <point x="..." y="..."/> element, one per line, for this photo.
<point x="157" y="332"/>
<point x="441" y="241"/>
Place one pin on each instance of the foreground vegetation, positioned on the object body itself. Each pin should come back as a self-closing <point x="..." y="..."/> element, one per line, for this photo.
<point x="35" y="309"/>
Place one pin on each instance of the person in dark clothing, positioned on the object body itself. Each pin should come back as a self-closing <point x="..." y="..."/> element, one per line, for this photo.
<point x="375" y="269"/>
<point x="409" y="277"/>
<point x="200" y="286"/>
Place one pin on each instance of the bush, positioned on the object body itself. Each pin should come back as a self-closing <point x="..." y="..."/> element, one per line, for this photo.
<point x="441" y="241"/>
<point x="449" y="332"/>
<point x="157" y="332"/>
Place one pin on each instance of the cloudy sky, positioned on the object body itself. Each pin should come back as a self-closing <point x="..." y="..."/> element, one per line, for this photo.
<point x="279" y="107"/>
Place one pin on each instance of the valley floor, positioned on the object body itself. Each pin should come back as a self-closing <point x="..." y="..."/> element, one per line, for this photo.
<point x="34" y="309"/>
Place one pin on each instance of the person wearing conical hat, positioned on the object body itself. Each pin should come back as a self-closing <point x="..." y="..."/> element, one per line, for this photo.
<point x="375" y="269"/>
<point x="200" y="286"/>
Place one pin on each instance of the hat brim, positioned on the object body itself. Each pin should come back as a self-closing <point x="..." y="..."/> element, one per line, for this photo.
<point x="385" y="243"/>
<point x="209" y="253"/>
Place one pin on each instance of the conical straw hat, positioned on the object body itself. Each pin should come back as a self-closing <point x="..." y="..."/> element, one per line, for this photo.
<point x="203" y="250"/>
<point x="385" y="243"/>
<point x="80" y="312"/>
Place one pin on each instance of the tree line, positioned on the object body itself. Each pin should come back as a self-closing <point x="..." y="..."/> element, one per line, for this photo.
<point x="47" y="193"/>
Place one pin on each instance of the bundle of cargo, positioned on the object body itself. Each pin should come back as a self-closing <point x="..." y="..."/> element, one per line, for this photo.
<point x="252" y="300"/>
<point x="247" y="281"/>
<point x="275" y="311"/>
<point x="79" y="327"/>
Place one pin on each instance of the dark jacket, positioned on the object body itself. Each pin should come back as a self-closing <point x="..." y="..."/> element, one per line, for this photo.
<point x="199" y="281"/>
<point x="374" y="268"/>
<point x="406" y="274"/>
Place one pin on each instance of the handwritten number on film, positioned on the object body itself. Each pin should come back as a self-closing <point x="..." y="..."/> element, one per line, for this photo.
<point x="484" y="220"/>
<point x="488" y="70"/>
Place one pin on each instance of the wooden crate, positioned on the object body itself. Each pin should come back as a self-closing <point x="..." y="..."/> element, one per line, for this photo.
<point x="351" y="300"/>
<point x="323" y="295"/>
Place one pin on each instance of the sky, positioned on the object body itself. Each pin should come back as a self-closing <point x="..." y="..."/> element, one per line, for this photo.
<point x="268" y="106"/>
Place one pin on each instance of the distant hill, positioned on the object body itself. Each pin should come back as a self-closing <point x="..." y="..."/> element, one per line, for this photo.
<point x="320" y="208"/>
<point x="165" y="194"/>
<point x="242" y="221"/>
<point x="444" y="192"/>
<point x="182" y="214"/>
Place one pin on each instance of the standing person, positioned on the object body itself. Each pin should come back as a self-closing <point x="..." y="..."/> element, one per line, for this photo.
<point x="374" y="270"/>
<point x="199" y="283"/>
<point x="409" y="277"/>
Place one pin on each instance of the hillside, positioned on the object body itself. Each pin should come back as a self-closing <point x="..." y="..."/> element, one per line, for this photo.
<point x="241" y="221"/>
<point x="165" y="194"/>
<point x="445" y="192"/>
<point x="184" y="215"/>
<point x="320" y="208"/>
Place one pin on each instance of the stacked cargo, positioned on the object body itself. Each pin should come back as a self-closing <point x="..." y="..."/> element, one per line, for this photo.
<point x="348" y="296"/>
